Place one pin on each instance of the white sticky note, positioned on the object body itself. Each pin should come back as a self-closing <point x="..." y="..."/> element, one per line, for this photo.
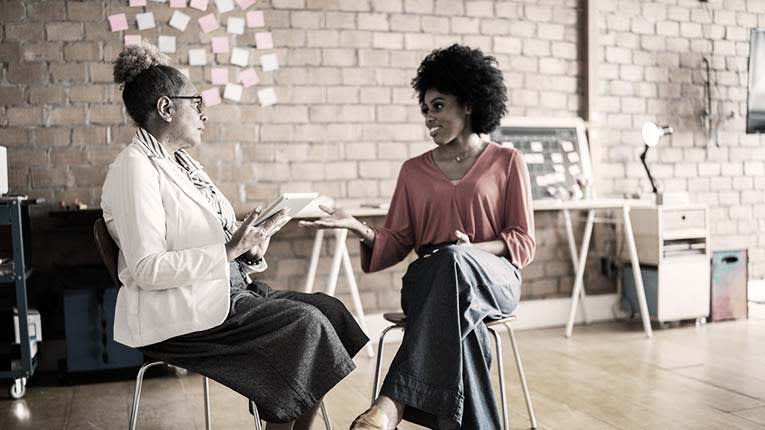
<point x="556" y="157"/>
<point x="166" y="43"/>
<point x="534" y="158"/>
<point x="269" y="62"/>
<point x="573" y="157"/>
<point x="244" y="4"/>
<point x="559" y="168"/>
<point x="235" y="25"/>
<point x="537" y="146"/>
<point x="185" y="72"/>
<point x="137" y="3"/>
<point x="145" y="20"/>
<point x="574" y="169"/>
<point x="566" y="145"/>
<point x="255" y="19"/>
<point x="232" y="92"/>
<point x="132" y="39"/>
<point x="267" y="96"/>
<point x="197" y="57"/>
<point x="179" y="20"/>
<point x="240" y="57"/>
<point x="224" y="5"/>
<point x="264" y="40"/>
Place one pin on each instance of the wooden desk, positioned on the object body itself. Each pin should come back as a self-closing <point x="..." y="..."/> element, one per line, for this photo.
<point x="579" y="260"/>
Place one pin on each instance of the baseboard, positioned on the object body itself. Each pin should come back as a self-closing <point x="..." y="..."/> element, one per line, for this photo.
<point x="531" y="314"/>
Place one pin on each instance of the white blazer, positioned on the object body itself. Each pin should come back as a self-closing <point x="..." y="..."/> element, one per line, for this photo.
<point x="172" y="260"/>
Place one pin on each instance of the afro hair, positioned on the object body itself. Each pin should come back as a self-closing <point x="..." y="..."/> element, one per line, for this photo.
<point x="469" y="75"/>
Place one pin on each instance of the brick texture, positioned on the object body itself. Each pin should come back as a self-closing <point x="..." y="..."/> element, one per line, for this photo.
<point x="347" y="117"/>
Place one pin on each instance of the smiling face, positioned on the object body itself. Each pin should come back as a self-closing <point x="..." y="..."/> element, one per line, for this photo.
<point x="445" y="118"/>
<point x="188" y="118"/>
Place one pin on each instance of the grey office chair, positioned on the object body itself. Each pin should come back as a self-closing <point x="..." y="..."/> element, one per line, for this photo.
<point x="109" y="253"/>
<point x="399" y="322"/>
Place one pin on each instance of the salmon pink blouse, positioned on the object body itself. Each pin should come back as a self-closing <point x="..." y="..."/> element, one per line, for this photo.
<point x="492" y="201"/>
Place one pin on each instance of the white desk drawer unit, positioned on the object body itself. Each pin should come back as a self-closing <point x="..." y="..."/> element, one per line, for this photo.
<point x="673" y="248"/>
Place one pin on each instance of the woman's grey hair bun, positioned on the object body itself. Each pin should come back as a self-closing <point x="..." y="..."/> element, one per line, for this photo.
<point x="134" y="59"/>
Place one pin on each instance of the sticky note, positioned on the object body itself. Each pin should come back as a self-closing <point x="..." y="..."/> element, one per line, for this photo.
<point x="184" y="71"/>
<point x="208" y="22"/>
<point x="232" y="92"/>
<point x="166" y="43"/>
<point x="240" y="57"/>
<point x="566" y="145"/>
<point x="145" y="20"/>
<point x="556" y="157"/>
<point x="219" y="44"/>
<point x="199" y="4"/>
<point x="179" y="20"/>
<point x="248" y="77"/>
<point x="264" y="40"/>
<point x="573" y="157"/>
<point x="235" y="25"/>
<point x="267" y="96"/>
<point x="132" y="39"/>
<point x="211" y="97"/>
<point x="219" y="75"/>
<point x="269" y="62"/>
<point x="159" y="1"/>
<point x="118" y="22"/>
<point x="224" y="5"/>
<point x="137" y="3"/>
<point x="197" y="57"/>
<point x="255" y="19"/>
<point x="537" y="146"/>
<point x="244" y="4"/>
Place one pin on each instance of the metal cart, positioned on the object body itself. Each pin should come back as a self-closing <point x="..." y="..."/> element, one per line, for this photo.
<point x="14" y="211"/>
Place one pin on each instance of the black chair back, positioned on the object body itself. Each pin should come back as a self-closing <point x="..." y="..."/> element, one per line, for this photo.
<point x="107" y="249"/>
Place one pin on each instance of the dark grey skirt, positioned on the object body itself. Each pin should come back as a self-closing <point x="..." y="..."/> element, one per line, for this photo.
<point x="442" y="369"/>
<point x="282" y="349"/>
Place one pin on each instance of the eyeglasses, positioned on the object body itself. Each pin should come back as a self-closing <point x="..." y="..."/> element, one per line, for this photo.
<point x="197" y="101"/>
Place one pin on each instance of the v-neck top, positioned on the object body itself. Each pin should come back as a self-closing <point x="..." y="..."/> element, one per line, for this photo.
<point x="491" y="201"/>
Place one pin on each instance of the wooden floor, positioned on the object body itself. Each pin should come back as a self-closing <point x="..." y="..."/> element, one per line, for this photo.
<point x="608" y="376"/>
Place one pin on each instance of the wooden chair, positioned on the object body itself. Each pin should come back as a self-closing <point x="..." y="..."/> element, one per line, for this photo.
<point x="399" y="322"/>
<point x="109" y="254"/>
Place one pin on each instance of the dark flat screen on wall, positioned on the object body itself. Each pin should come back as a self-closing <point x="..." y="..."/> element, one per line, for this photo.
<point x="755" y="112"/>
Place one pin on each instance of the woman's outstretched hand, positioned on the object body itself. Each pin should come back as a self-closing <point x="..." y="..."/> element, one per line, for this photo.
<point x="255" y="239"/>
<point x="338" y="218"/>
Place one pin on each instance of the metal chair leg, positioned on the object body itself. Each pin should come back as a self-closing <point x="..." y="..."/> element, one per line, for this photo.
<point x="325" y="415"/>
<point x="137" y="392"/>
<point x="208" y="413"/>
<point x="256" y="415"/>
<point x="522" y="376"/>
<point x="378" y="367"/>
<point x="501" y="371"/>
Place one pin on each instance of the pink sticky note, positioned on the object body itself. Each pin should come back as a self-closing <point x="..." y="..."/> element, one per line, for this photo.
<point x="211" y="97"/>
<point x="199" y="4"/>
<point x="248" y="77"/>
<point x="118" y="22"/>
<point x="208" y="22"/>
<point x="132" y="39"/>
<point x="244" y="4"/>
<point x="137" y="3"/>
<point x="255" y="19"/>
<point x="263" y="40"/>
<point x="178" y="3"/>
<point x="219" y="75"/>
<point x="220" y="44"/>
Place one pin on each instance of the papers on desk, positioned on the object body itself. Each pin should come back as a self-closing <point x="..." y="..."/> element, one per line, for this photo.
<point x="166" y="44"/>
<point x="179" y="20"/>
<point x="145" y="21"/>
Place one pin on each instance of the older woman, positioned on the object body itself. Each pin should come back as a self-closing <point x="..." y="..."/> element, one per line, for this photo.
<point x="185" y="261"/>
<point x="465" y="208"/>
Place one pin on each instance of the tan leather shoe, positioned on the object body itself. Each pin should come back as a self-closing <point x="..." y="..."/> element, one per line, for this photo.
<point x="371" y="419"/>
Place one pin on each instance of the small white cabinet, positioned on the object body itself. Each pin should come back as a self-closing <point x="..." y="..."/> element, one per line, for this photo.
<point x="673" y="249"/>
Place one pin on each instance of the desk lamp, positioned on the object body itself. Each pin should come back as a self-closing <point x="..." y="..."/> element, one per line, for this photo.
<point x="652" y="133"/>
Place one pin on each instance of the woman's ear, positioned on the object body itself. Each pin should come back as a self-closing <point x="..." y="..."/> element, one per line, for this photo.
<point x="165" y="108"/>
